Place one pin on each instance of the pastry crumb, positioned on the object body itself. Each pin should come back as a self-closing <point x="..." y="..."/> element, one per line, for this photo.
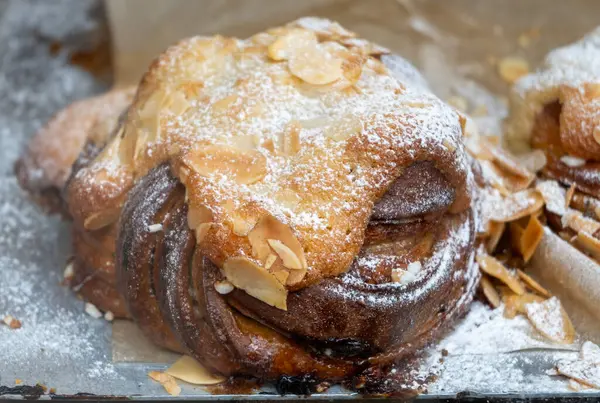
<point x="91" y="310"/>
<point x="12" y="322"/>
<point x="512" y="68"/>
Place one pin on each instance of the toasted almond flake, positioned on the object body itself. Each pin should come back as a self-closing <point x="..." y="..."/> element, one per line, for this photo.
<point x="191" y="371"/>
<point x="477" y="149"/>
<point x="512" y="68"/>
<point x="590" y="352"/>
<point x="576" y="386"/>
<point x="554" y="196"/>
<point x="109" y="316"/>
<point x="583" y="372"/>
<point x="269" y="227"/>
<point x="518" y="205"/>
<point x="256" y="281"/>
<point x="282" y="276"/>
<point x="223" y="287"/>
<point x="508" y="162"/>
<point x="490" y="292"/>
<point x="91" y="310"/>
<point x="69" y="271"/>
<point x="18" y="381"/>
<point x="324" y="28"/>
<point x="571" y="161"/>
<point x="569" y="195"/>
<point x="315" y="66"/>
<point x="495" y="231"/>
<point x="578" y="222"/>
<point x="167" y="381"/>
<point x="397" y="275"/>
<point x="589" y="244"/>
<point x="533" y="161"/>
<point x="289" y="258"/>
<point x="531" y="283"/>
<point x="494" y="268"/>
<point x="242" y="166"/>
<point x="155" y="228"/>
<point x="407" y="277"/>
<point x="551" y="320"/>
<point x="414" y="267"/>
<point x="270" y="260"/>
<point x="292" y="41"/>
<point x="291" y="138"/>
<point x="11" y="322"/>
<point x="531" y="238"/>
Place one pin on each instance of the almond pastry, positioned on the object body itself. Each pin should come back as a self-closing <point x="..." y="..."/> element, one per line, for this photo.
<point x="262" y="200"/>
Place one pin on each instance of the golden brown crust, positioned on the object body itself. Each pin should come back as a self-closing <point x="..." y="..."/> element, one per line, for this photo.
<point x="259" y="133"/>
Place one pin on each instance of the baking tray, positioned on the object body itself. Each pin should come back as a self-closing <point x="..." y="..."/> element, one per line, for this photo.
<point x="52" y="53"/>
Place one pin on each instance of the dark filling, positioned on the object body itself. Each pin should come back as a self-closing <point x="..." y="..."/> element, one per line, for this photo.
<point x="421" y="190"/>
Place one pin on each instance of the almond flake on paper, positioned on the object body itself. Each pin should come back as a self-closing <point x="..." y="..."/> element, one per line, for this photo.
<point x="167" y="381"/>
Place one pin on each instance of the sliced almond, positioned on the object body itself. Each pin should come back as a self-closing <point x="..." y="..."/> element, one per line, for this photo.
<point x="495" y="231"/>
<point x="256" y="281"/>
<point x="494" y="268"/>
<point x="586" y="373"/>
<point x="578" y="222"/>
<point x="324" y="28"/>
<point x="508" y="162"/>
<point x="242" y="166"/>
<point x="291" y="138"/>
<point x="589" y="244"/>
<point x="191" y="371"/>
<point x="531" y="238"/>
<point x="590" y="352"/>
<point x="569" y="195"/>
<point x="167" y="381"/>
<point x="490" y="292"/>
<point x="572" y="162"/>
<point x="517" y="303"/>
<point x="315" y="66"/>
<point x="294" y="40"/>
<point x="281" y="276"/>
<point x="289" y="258"/>
<point x="554" y="196"/>
<point x="223" y="287"/>
<point x="531" y="283"/>
<point x="551" y="320"/>
<point x="533" y="161"/>
<point x="269" y="228"/>
<point x="512" y="68"/>
<point x="270" y="260"/>
<point x="365" y="47"/>
<point x="518" y="205"/>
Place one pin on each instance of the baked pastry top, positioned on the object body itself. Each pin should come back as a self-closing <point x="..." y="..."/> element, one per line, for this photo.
<point x="284" y="142"/>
